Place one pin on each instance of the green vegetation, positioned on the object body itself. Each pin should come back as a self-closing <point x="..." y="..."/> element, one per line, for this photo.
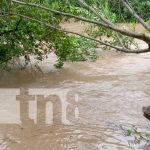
<point x="136" y="137"/>
<point x="140" y="6"/>
<point x="24" y="31"/>
<point x="22" y="37"/>
<point x="117" y="8"/>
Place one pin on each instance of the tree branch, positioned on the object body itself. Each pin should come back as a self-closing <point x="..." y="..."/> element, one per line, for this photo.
<point x="131" y="10"/>
<point x="105" y="20"/>
<point x="4" y="15"/>
<point x="87" y="7"/>
<point x="98" y="41"/>
<point x="140" y="36"/>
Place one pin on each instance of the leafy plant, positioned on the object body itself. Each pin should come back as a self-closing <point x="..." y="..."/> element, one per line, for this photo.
<point x="20" y="36"/>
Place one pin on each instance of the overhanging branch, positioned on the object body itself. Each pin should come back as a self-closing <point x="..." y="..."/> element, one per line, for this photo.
<point x="140" y="36"/>
<point x="99" y="41"/>
<point x="131" y="10"/>
<point x="87" y="7"/>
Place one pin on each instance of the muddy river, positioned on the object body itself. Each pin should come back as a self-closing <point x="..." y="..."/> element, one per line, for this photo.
<point x="83" y="106"/>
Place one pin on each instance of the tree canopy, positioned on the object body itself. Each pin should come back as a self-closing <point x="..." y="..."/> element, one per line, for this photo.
<point x="31" y="27"/>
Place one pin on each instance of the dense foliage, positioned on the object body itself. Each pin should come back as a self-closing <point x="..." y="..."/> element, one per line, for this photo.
<point x="116" y="7"/>
<point x="20" y="36"/>
<point x="142" y="7"/>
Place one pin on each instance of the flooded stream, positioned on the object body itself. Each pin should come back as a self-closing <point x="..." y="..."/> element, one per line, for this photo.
<point x="96" y="105"/>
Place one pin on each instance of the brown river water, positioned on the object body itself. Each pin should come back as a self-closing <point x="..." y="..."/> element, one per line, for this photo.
<point x="95" y="105"/>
